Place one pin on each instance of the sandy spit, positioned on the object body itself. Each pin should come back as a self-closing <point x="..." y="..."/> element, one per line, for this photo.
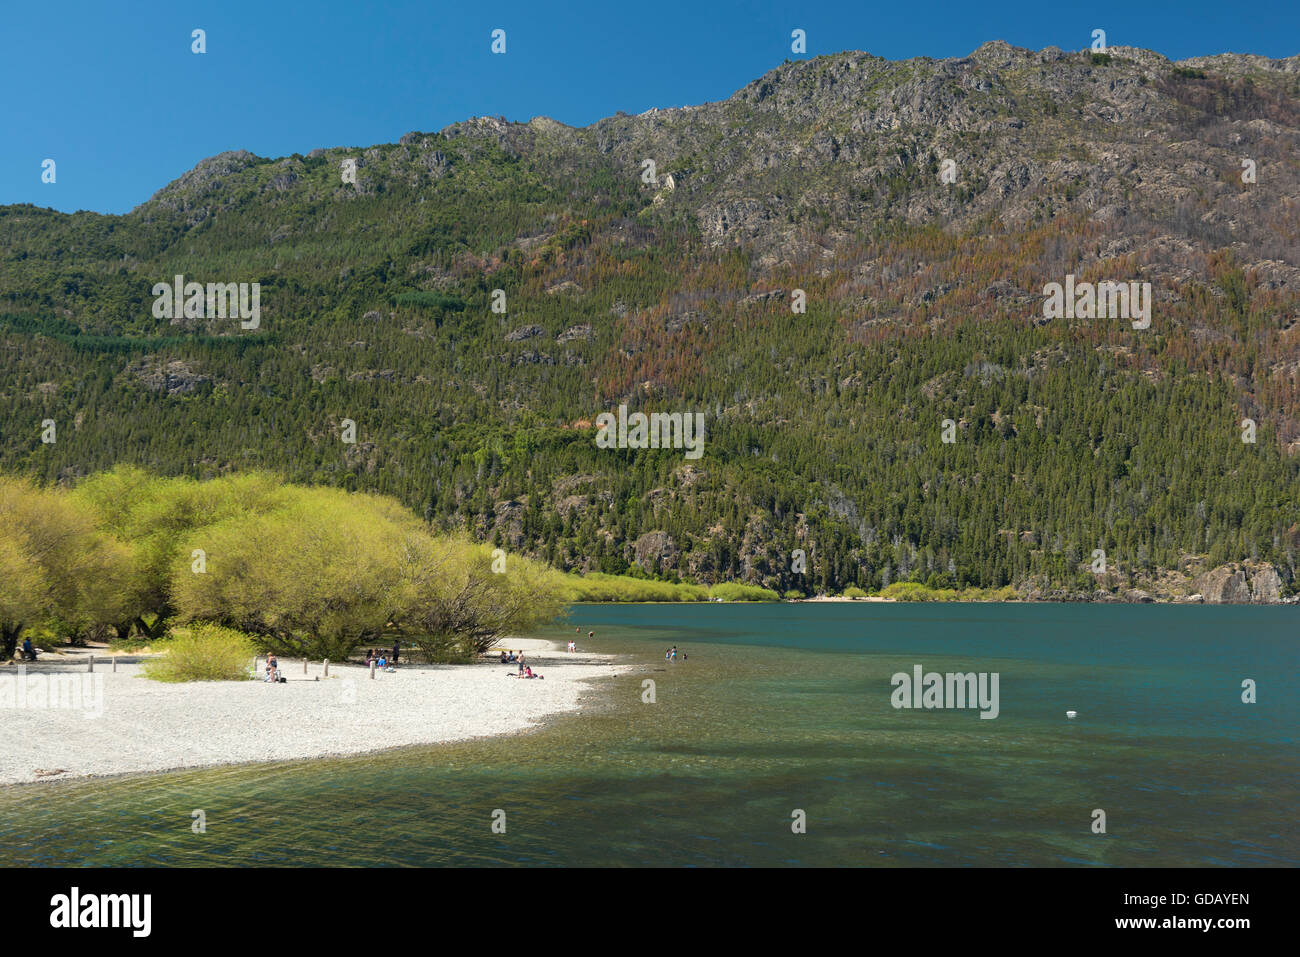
<point x="145" y="725"/>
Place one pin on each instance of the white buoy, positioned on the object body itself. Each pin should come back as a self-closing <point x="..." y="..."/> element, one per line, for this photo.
<point x="1071" y="714"/>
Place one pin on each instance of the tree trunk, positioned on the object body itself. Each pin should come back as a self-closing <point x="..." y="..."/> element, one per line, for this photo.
<point x="9" y="640"/>
<point x="158" y="629"/>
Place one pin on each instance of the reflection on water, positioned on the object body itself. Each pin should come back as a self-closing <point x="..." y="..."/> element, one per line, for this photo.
<point x="777" y="709"/>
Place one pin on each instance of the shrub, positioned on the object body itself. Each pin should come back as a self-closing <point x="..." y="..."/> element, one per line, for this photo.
<point x="915" y="591"/>
<point x="908" y="591"/>
<point x="734" y="591"/>
<point x="601" y="587"/>
<point x="793" y="595"/>
<point x="854" y="592"/>
<point x="208" y="653"/>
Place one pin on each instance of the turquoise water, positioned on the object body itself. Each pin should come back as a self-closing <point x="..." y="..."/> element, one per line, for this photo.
<point x="782" y="708"/>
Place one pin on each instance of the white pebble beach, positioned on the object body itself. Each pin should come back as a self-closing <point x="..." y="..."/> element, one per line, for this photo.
<point x="154" y="726"/>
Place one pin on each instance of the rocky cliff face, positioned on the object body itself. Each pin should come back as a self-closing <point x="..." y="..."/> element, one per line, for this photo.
<point x="1129" y="137"/>
<point x="1240" y="584"/>
<point x="655" y="551"/>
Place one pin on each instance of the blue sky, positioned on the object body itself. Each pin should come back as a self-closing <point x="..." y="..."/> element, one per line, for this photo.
<point x="113" y="93"/>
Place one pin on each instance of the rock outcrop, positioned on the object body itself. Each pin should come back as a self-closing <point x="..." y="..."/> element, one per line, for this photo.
<point x="1240" y="584"/>
<point x="655" y="550"/>
<point x="174" y="377"/>
<point x="525" y="332"/>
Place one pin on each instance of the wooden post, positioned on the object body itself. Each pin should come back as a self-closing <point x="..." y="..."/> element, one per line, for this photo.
<point x="115" y="665"/>
<point x="372" y="669"/>
<point x="90" y="663"/>
<point x="327" y="668"/>
<point x="304" y="666"/>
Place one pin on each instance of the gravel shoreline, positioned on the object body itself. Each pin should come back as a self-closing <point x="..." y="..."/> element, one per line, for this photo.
<point x="124" y="723"/>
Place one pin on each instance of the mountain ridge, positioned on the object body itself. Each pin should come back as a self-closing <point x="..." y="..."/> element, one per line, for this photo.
<point x="825" y="177"/>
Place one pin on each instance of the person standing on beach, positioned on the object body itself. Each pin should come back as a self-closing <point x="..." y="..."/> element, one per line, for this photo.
<point x="397" y="647"/>
<point x="521" y="662"/>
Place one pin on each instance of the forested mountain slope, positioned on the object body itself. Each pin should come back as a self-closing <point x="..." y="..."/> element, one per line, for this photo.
<point x="919" y="207"/>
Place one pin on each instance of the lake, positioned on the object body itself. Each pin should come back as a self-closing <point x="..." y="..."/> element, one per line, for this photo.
<point x="780" y="709"/>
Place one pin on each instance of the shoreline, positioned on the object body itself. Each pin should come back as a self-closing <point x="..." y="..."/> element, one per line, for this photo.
<point x="149" y="727"/>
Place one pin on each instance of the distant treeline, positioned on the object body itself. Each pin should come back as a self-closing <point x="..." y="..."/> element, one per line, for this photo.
<point x="68" y="333"/>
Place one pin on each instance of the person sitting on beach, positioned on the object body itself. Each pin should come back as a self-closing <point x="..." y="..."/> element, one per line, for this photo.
<point x="504" y="660"/>
<point x="28" y="651"/>
<point x="382" y="663"/>
<point x="511" y="659"/>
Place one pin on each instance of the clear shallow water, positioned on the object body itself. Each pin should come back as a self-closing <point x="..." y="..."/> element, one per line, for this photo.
<point x="782" y="707"/>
